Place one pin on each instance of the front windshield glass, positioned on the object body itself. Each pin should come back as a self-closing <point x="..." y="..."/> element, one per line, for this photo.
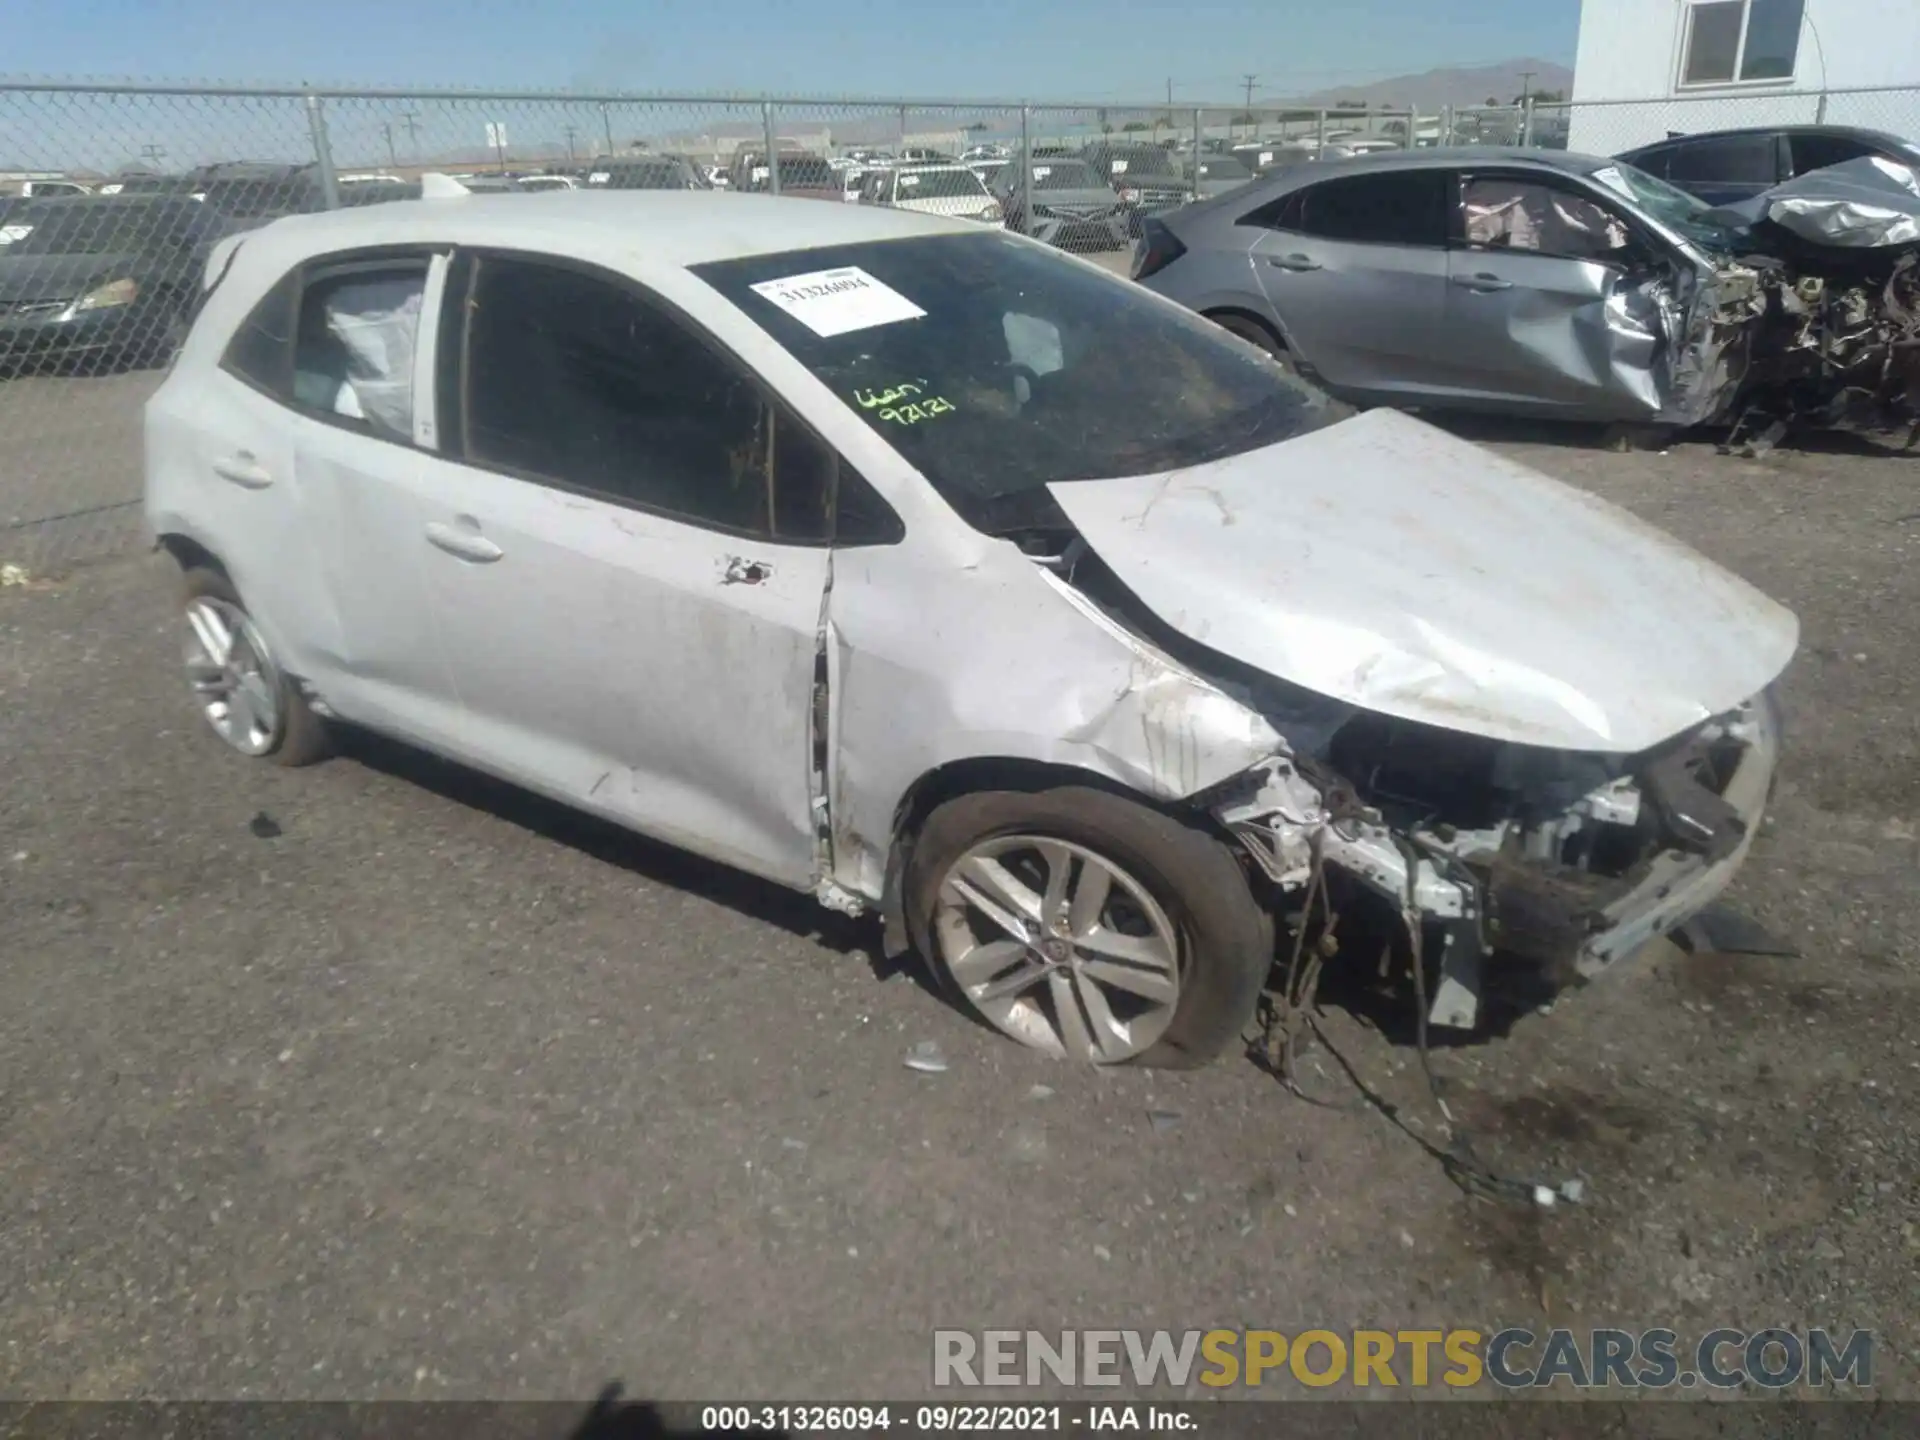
<point x="1672" y="207"/>
<point x="93" y="227"/>
<point x="998" y="368"/>
<point x="1146" y="160"/>
<point x="938" y="184"/>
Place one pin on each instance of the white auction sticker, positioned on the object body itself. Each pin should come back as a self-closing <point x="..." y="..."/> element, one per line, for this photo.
<point x="833" y="302"/>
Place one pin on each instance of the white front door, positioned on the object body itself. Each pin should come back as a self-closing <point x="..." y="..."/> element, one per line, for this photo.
<point x="629" y="613"/>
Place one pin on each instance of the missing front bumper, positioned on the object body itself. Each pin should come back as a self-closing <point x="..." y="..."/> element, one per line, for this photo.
<point x="1568" y="924"/>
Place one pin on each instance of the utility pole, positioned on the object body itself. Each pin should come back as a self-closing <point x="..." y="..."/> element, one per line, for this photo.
<point x="571" y="132"/>
<point x="153" y="154"/>
<point x="1169" y="91"/>
<point x="1526" y="84"/>
<point x="1249" y="111"/>
<point x="411" y="119"/>
<point x="606" y="120"/>
<point x="392" y="158"/>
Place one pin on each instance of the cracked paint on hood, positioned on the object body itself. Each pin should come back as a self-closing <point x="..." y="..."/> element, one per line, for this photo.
<point x="1389" y="565"/>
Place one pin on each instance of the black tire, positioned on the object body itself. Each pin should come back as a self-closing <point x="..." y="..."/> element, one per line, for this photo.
<point x="1226" y="935"/>
<point x="1252" y="331"/>
<point x="304" y="737"/>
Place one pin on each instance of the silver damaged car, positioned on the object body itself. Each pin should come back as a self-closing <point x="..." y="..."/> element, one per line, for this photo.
<point x="857" y="549"/>
<point x="1566" y="286"/>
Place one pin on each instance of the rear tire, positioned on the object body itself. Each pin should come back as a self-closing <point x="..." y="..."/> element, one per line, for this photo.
<point x="1169" y="940"/>
<point x="243" y="695"/>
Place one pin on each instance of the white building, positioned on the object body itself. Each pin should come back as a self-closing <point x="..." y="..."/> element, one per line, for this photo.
<point x="1707" y="64"/>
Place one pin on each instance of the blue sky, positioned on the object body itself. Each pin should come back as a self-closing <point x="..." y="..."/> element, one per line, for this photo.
<point x="1070" y="49"/>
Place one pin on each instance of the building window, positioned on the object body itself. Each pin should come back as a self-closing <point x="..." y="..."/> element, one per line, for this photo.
<point x="1729" y="41"/>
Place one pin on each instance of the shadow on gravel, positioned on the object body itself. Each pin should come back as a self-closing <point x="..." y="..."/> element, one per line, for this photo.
<point x="794" y="912"/>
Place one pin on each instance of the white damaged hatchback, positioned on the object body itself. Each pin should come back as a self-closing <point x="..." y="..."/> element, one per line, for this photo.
<point x="937" y="574"/>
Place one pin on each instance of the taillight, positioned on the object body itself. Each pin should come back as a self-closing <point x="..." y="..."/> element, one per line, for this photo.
<point x="1158" y="248"/>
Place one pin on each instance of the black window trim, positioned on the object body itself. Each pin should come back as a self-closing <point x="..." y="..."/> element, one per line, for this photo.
<point x="302" y="274"/>
<point x="452" y="381"/>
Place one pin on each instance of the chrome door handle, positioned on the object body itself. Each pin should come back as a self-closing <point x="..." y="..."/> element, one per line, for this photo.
<point x="1482" y="283"/>
<point x="1293" y="262"/>
<point x="463" y="543"/>
<point x="243" y="470"/>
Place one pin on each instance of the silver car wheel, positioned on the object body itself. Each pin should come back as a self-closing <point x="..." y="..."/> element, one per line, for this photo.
<point x="233" y="677"/>
<point x="1059" y="947"/>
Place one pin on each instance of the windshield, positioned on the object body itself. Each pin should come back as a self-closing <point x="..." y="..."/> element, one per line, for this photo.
<point x="90" y="227"/>
<point x="998" y="368"/>
<point x="938" y="184"/>
<point x="1146" y="160"/>
<point x="1674" y="208"/>
<point x="1221" y="168"/>
<point x="1065" y="175"/>
<point x="652" y="175"/>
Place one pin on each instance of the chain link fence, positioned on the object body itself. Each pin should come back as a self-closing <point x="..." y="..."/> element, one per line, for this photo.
<point x="176" y="166"/>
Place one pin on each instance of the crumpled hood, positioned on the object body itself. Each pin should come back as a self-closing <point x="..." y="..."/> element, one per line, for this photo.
<point x="1857" y="205"/>
<point x="1387" y="564"/>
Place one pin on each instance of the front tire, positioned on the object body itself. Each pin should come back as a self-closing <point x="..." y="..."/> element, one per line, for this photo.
<point x="1088" y="926"/>
<point x="243" y="695"/>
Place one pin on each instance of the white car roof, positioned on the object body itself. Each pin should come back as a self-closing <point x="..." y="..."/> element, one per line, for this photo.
<point x="652" y="228"/>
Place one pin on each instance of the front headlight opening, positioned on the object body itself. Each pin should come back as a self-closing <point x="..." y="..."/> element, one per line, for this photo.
<point x="106" y="297"/>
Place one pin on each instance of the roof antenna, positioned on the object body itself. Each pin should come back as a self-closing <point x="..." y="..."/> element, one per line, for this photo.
<point x="436" y="186"/>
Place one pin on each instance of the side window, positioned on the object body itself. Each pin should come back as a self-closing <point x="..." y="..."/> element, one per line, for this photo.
<point x="1728" y="160"/>
<point x="1515" y="213"/>
<point x="1656" y="163"/>
<point x="261" y="350"/>
<point x="354" y="348"/>
<point x="1406" y="207"/>
<point x="1816" y="152"/>
<point x="576" y="380"/>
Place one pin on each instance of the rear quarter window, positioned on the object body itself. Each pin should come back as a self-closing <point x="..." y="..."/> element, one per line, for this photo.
<point x="261" y="350"/>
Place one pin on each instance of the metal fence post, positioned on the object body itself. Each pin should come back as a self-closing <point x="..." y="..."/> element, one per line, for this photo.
<point x="1197" y="137"/>
<point x="1026" y="169"/>
<point x="1526" y="121"/>
<point x="1320" y="135"/>
<point x="773" y="148"/>
<point x="322" y="152"/>
<point x="1445" y="137"/>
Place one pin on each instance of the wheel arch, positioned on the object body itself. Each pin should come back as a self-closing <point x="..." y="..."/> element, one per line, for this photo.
<point x="971" y="774"/>
<point x="1241" y="312"/>
<point x="189" y="554"/>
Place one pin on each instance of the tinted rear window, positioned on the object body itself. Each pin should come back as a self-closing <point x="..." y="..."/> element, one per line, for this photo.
<point x="1728" y="159"/>
<point x="1405" y="207"/>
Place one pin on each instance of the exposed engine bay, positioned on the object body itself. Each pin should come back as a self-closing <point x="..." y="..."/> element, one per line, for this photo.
<point x="1557" y="862"/>
<point x="1818" y="309"/>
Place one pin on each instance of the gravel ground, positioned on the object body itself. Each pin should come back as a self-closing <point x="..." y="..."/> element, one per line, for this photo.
<point x="443" y="1091"/>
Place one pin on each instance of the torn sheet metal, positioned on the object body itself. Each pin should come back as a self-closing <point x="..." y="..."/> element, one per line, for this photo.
<point x="1864" y="204"/>
<point x="1002" y="660"/>
<point x="1385" y="563"/>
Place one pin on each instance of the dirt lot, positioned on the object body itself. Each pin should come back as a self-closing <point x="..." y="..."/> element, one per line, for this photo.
<point x="441" y="1091"/>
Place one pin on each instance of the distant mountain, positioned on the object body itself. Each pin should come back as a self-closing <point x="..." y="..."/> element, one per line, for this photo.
<point x="1469" y="85"/>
